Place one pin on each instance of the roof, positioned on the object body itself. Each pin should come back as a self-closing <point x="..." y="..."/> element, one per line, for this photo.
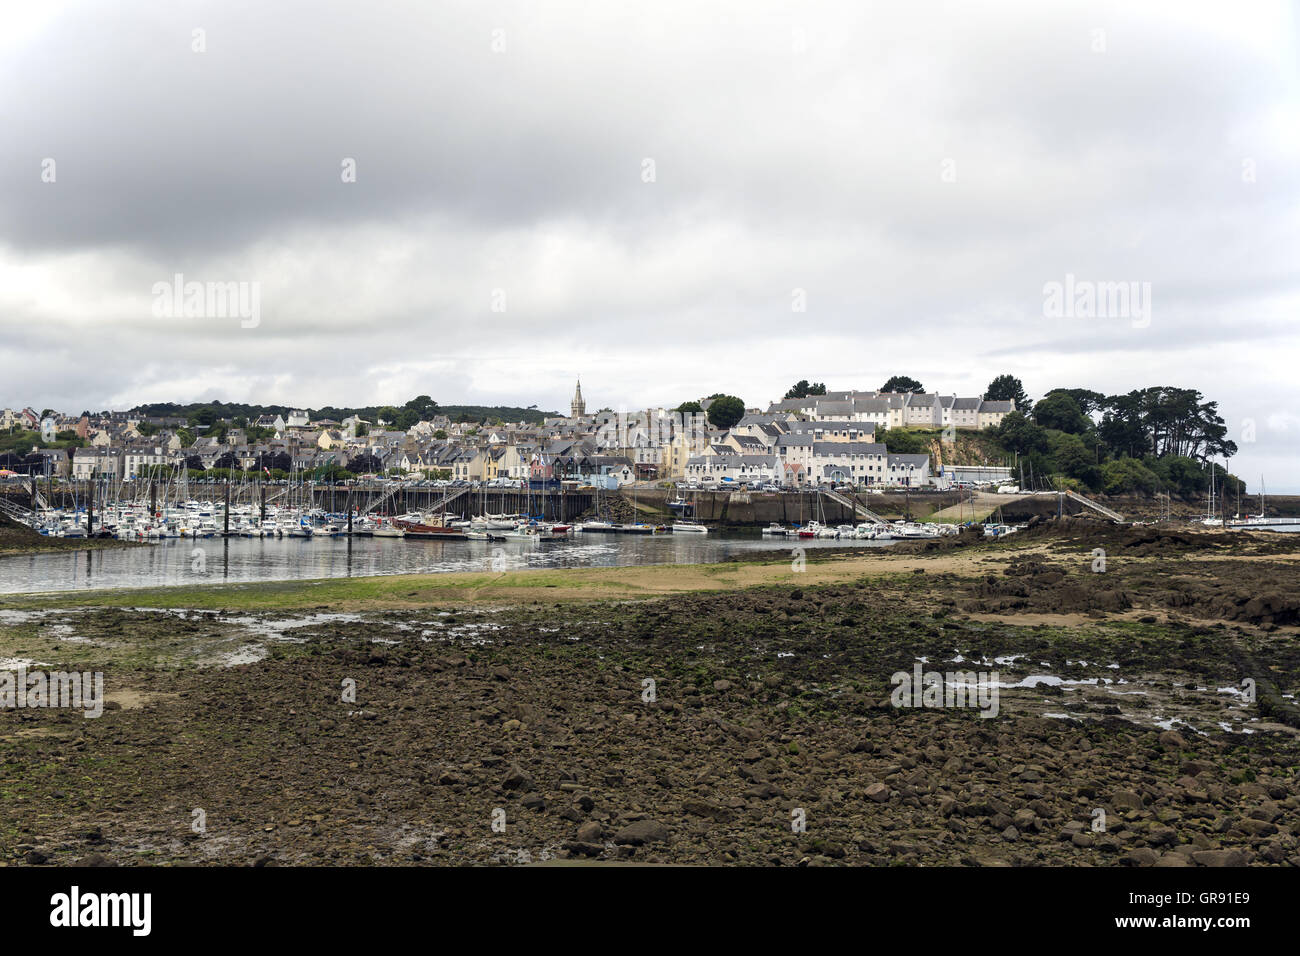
<point x="916" y="461"/>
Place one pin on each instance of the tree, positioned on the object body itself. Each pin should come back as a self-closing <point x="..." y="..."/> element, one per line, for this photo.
<point x="1089" y="402"/>
<point x="1017" y="433"/>
<point x="423" y="406"/>
<point x="1006" y="388"/>
<point x="1126" y="475"/>
<point x="906" y="441"/>
<point x="689" y="408"/>
<point x="1075" y="459"/>
<point x="1162" y="421"/>
<point x="801" y="389"/>
<point x="902" y="383"/>
<point x="725" y="410"/>
<point x="1058" y="410"/>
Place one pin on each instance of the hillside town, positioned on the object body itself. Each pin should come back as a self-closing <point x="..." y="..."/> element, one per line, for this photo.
<point x="829" y="438"/>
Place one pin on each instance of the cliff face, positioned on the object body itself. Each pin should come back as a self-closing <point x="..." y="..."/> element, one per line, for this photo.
<point x="970" y="448"/>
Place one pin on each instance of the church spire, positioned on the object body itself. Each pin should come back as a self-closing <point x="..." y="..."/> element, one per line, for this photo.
<point x="577" y="407"/>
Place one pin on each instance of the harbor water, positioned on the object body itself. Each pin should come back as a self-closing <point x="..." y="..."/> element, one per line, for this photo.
<point x="178" y="562"/>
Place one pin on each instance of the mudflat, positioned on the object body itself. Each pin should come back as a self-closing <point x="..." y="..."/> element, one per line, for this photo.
<point x="735" y="713"/>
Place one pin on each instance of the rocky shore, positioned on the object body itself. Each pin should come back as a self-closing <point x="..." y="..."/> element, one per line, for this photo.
<point x="743" y="725"/>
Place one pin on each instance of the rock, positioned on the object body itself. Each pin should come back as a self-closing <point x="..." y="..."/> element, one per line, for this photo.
<point x="533" y="801"/>
<point x="1173" y="859"/>
<point x="1024" y="820"/>
<point x="1274" y="853"/>
<point x="642" y="832"/>
<point x="699" y="808"/>
<point x="36" y="857"/>
<point x="1141" y="856"/>
<point x="579" y="848"/>
<point x="721" y="685"/>
<point x="517" y="779"/>
<point x="1126" y="800"/>
<point x="1011" y="833"/>
<point x="1172" y="740"/>
<point x="1163" y="836"/>
<point x="1219" y="858"/>
<point x="878" y="792"/>
<point x="591" y="832"/>
<point x="1082" y="840"/>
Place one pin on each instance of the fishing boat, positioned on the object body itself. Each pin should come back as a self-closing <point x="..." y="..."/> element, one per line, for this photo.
<point x="776" y="529"/>
<point x="419" y="529"/>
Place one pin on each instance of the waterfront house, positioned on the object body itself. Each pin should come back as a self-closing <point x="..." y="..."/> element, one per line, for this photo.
<point x="911" y="471"/>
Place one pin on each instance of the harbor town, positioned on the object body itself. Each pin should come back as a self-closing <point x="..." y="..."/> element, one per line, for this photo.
<point x="147" y="477"/>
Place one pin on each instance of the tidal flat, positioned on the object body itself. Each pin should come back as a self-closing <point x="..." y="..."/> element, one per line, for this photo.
<point x="691" y="714"/>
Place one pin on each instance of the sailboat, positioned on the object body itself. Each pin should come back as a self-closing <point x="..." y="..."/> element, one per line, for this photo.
<point x="1211" y="517"/>
<point x="1261" y="521"/>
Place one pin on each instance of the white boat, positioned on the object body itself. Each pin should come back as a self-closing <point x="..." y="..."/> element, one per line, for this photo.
<point x="689" y="527"/>
<point x="912" y="530"/>
<point x="388" y="531"/>
<point x="776" y="529"/>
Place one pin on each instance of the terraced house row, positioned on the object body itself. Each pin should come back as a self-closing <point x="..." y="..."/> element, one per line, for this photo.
<point x="897" y="409"/>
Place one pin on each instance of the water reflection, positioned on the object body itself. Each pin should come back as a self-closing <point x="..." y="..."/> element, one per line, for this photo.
<point x="238" y="560"/>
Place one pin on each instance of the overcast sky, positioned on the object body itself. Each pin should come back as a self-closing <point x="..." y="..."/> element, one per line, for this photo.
<point x="651" y="196"/>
